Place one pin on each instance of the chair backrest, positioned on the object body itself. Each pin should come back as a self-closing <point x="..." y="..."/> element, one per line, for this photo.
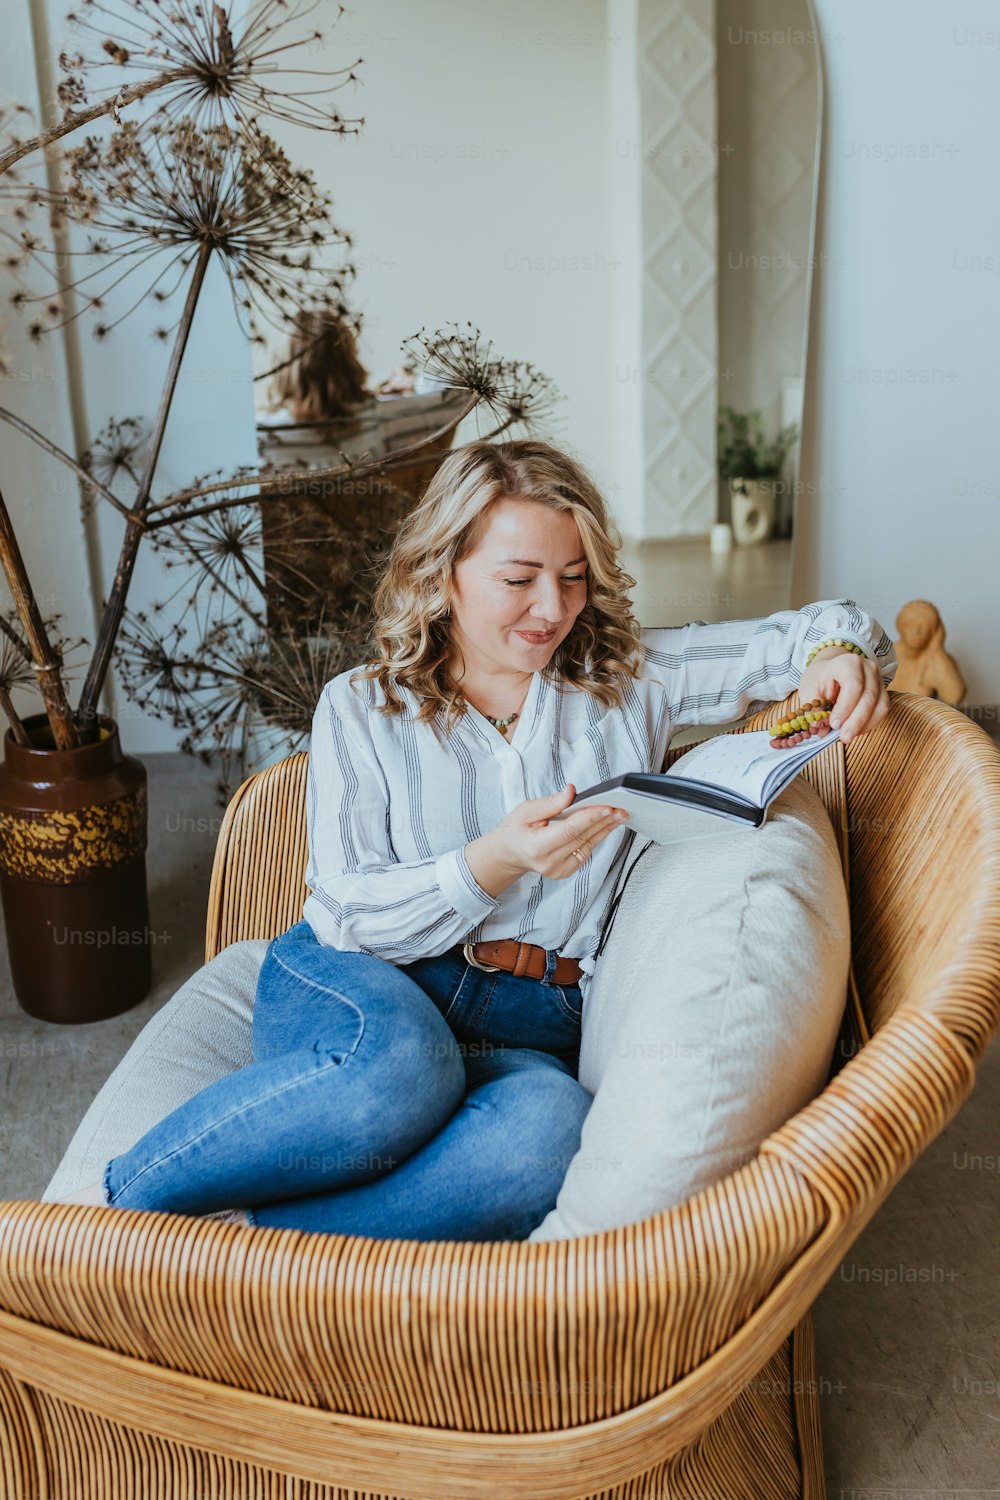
<point x="923" y="805"/>
<point x="258" y="877"/>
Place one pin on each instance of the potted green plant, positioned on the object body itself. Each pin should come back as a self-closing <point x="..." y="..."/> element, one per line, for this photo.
<point x="752" y="465"/>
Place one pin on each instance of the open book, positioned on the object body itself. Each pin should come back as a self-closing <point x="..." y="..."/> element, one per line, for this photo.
<point x="726" y="779"/>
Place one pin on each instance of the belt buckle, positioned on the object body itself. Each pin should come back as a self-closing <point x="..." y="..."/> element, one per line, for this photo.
<point x="486" y="968"/>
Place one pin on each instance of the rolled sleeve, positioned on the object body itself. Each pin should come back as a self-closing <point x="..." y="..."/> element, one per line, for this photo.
<point x="844" y="620"/>
<point x="720" y="672"/>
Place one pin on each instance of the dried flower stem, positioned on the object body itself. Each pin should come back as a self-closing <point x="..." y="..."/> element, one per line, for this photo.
<point x="75" y="118"/>
<point x="14" y="638"/>
<point x="45" y="661"/>
<point x="17" y="729"/>
<point x="243" y="604"/>
<point x="115" y="607"/>
<point x="65" y="458"/>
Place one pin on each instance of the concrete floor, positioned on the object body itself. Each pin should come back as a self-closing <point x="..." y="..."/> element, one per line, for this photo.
<point x="678" y="581"/>
<point x="908" y="1347"/>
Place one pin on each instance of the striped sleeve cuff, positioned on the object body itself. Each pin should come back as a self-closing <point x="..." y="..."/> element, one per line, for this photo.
<point x="461" y="887"/>
<point x="844" y="619"/>
<point x="887" y="662"/>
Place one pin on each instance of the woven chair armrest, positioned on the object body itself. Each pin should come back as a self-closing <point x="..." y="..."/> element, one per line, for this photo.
<point x="855" y="1140"/>
<point x="721" y="1281"/>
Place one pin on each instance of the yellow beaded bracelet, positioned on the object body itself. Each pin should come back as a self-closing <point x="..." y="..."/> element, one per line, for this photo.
<point x="836" y="641"/>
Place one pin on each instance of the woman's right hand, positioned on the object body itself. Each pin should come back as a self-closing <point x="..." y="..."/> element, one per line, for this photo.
<point x="527" y="839"/>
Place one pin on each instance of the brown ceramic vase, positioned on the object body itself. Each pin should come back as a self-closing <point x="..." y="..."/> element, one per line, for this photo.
<point x="73" y="875"/>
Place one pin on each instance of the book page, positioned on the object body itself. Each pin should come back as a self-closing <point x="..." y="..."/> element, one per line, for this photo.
<point x="743" y="763"/>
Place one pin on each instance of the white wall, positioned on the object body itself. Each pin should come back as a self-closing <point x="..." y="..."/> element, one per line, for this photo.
<point x="626" y="490"/>
<point x="903" y="384"/>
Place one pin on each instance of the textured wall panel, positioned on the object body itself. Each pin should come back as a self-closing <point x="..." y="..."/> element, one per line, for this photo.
<point x="676" y="48"/>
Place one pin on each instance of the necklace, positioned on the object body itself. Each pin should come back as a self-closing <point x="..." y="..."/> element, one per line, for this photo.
<point x="500" y="724"/>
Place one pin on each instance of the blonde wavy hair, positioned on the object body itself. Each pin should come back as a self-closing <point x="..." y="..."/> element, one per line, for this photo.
<point x="412" y="601"/>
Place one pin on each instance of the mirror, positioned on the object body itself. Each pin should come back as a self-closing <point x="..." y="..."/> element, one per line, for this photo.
<point x="624" y="199"/>
<point x="747" y="325"/>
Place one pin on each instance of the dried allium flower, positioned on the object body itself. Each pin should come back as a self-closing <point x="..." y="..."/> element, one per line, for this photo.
<point x="217" y="69"/>
<point x="157" y="195"/>
<point x="527" y="398"/>
<point x="513" y="391"/>
<point x="118" y="449"/>
<point x="271" y="684"/>
<point x="221" y="550"/>
<point x="296" y="668"/>
<point x="156" y="673"/>
<point x="232" y="554"/>
<point x="239" y="678"/>
<point x="16" y="669"/>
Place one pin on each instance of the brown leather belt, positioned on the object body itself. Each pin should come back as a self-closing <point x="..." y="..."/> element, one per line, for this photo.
<point x="522" y="959"/>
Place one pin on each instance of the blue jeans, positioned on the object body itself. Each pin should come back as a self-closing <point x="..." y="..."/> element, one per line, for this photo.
<point x="428" y="1100"/>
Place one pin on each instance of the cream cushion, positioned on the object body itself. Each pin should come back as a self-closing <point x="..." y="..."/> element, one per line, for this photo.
<point x="202" y="1033"/>
<point x="712" y="1014"/>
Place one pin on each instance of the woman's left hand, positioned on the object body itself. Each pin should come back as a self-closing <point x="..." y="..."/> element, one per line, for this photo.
<point x="860" y="697"/>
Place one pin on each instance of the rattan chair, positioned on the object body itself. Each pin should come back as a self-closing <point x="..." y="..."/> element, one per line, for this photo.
<point x="162" y="1355"/>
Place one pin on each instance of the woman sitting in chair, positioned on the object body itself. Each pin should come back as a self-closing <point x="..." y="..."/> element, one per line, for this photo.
<point x="416" y="1034"/>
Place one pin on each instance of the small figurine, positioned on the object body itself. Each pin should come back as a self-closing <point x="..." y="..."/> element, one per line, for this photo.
<point x="924" y="665"/>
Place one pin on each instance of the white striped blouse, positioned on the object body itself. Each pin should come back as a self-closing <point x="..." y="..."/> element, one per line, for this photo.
<point x="392" y="803"/>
